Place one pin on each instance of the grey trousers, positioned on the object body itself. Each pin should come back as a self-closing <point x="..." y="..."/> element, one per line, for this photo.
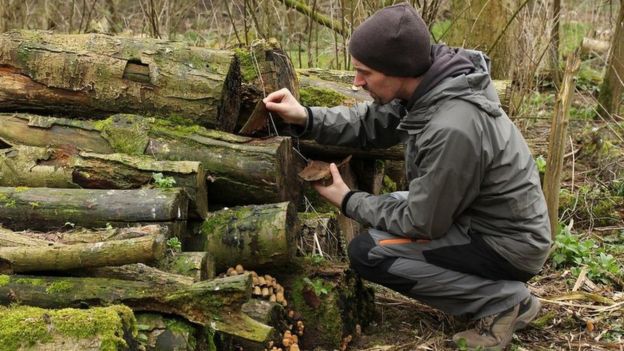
<point x="420" y="269"/>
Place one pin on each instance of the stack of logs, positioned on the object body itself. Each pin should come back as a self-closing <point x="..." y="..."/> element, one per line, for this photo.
<point x="119" y="170"/>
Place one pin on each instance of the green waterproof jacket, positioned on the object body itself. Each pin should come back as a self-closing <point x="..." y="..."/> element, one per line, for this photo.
<point x="466" y="163"/>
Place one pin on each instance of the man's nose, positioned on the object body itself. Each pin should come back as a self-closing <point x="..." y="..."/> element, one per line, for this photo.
<point x="358" y="81"/>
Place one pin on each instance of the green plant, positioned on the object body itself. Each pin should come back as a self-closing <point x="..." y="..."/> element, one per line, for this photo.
<point x="540" y="162"/>
<point x="163" y="182"/>
<point x="570" y="250"/>
<point x="318" y="286"/>
<point x="174" y="244"/>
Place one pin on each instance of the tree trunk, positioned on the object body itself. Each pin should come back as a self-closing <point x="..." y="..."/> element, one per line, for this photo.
<point x="473" y="28"/>
<point x="69" y="168"/>
<point x="21" y="259"/>
<point x="244" y="170"/>
<point x="610" y="98"/>
<point x="214" y="303"/>
<point x="196" y="265"/>
<point x="49" y="209"/>
<point x="557" y="141"/>
<point x="254" y="236"/>
<point x="97" y="75"/>
<point x="101" y="328"/>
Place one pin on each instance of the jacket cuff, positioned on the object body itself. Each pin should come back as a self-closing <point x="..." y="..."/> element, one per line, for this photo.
<point x="298" y="131"/>
<point x="345" y="200"/>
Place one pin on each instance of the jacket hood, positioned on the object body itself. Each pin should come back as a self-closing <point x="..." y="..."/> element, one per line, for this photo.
<point x="474" y="86"/>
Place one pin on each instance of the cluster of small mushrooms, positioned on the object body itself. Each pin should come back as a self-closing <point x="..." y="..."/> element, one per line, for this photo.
<point x="266" y="287"/>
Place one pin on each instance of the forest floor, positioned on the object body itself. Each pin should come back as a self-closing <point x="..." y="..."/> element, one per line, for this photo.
<point x="581" y="286"/>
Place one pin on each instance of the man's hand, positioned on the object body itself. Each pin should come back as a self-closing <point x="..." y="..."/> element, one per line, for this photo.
<point x="335" y="192"/>
<point x="287" y="107"/>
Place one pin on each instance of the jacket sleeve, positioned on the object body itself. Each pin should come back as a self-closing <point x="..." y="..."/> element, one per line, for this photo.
<point x="365" y="125"/>
<point x="449" y="173"/>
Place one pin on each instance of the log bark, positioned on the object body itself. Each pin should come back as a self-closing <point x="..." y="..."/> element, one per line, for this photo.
<point x="158" y="332"/>
<point x="65" y="257"/>
<point x="84" y="235"/>
<point x="9" y="238"/>
<point x="100" y="328"/>
<point x="135" y="272"/>
<point x="590" y="46"/>
<point x="70" y="168"/>
<point x="243" y="170"/>
<point x="266" y="312"/>
<point x="195" y="265"/>
<point x="214" y="303"/>
<point x="255" y="236"/>
<point x="97" y="75"/>
<point x="265" y="68"/>
<point x="49" y="209"/>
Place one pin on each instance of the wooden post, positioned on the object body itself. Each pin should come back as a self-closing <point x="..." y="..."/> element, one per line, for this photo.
<point x="557" y="141"/>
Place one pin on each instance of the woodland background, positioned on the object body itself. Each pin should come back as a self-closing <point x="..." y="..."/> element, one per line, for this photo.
<point x="528" y="42"/>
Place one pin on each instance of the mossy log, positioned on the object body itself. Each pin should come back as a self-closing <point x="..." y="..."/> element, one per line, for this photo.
<point x="265" y="68"/>
<point x="97" y="75"/>
<point x="75" y="236"/>
<point x="111" y="328"/>
<point x="68" y="167"/>
<point x="136" y="272"/>
<point x="243" y="170"/>
<point x="158" y="332"/>
<point x="21" y="259"/>
<point x="597" y="47"/>
<point x="215" y="303"/>
<point x="255" y="236"/>
<point x="195" y="265"/>
<point x="332" y="301"/>
<point x="266" y="312"/>
<point x="9" y="238"/>
<point x="48" y="209"/>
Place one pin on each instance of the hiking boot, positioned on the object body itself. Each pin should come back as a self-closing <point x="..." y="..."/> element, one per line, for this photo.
<point x="494" y="332"/>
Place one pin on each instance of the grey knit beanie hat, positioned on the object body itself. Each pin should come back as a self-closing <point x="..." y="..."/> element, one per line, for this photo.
<point x="394" y="41"/>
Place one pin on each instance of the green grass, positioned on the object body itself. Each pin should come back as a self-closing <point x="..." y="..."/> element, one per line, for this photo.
<point x="572" y="34"/>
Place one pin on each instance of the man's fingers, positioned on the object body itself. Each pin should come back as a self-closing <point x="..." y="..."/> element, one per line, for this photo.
<point x="335" y="172"/>
<point x="276" y="96"/>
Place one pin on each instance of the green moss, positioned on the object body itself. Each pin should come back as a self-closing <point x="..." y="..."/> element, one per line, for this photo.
<point x="125" y="133"/>
<point x="543" y="321"/>
<point x="249" y="72"/>
<point x="23" y="327"/>
<point x="388" y="185"/>
<point x="325" y="319"/>
<point x="19" y="189"/>
<point x="30" y="281"/>
<point x="4" y="279"/>
<point x="59" y="287"/>
<point x="314" y="96"/>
